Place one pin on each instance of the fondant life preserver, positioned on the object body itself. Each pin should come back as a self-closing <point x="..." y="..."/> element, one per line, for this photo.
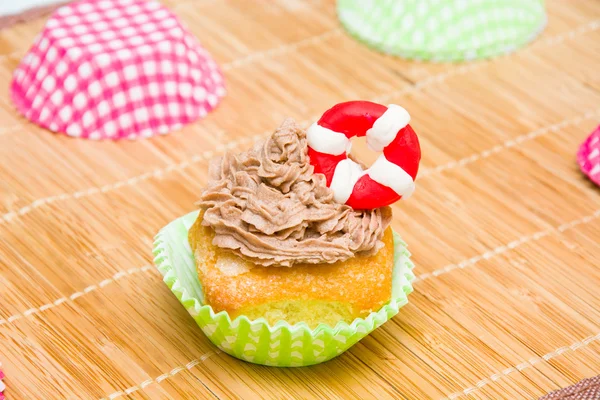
<point x="390" y="178"/>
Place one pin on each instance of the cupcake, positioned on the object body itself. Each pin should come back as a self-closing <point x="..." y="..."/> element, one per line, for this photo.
<point x="293" y="255"/>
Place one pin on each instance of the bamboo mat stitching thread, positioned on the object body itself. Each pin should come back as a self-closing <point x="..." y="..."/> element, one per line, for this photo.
<point x="77" y="295"/>
<point x="591" y="26"/>
<point x="207" y="155"/>
<point x="237" y="63"/>
<point x="512" y="143"/>
<point x="281" y="50"/>
<point x="248" y="59"/>
<point x="526" y="364"/>
<point x="439" y="78"/>
<point x="162" y="377"/>
<point x="520" y="367"/>
<point x="184" y="4"/>
<point x="487" y="380"/>
<point x="509" y="246"/>
<point x="474" y="260"/>
<point x="252" y="57"/>
<point x="461" y="265"/>
<point x="157" y="173"/>
<point x="545" y="43"/>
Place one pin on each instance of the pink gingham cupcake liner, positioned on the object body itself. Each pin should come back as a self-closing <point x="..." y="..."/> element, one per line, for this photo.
<point x="115" y="69"/>
<point x="2" y="385"/>
<point x="589" y="156"/>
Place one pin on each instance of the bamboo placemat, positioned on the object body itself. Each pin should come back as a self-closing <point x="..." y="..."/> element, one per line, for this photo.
<point x="504" y="230"/>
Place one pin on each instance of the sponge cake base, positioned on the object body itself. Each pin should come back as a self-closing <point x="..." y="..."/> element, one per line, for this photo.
<point x="310" y="293"/>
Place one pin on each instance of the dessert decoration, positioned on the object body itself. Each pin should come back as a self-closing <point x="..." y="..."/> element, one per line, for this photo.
<point x="452" y="30"/>
<point x="588" y="156"/>
<point x="268" y="206"/>
<point x="115" y="69"/>
<point x="276" y="269"/>
<point x="387" y="130"/>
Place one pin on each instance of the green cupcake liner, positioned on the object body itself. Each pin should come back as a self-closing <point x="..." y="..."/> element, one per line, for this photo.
<point x="282" y="344"/>
<point x="449" y="30"/>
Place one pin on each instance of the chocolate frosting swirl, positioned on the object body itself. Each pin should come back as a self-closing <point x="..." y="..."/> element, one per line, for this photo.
<point x="267" y="206"/>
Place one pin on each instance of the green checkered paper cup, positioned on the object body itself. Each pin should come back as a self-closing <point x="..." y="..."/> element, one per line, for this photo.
<point x="256" y="341"/>
<point x="443" y="30"/>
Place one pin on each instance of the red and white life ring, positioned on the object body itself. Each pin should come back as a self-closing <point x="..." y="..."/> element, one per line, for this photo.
<point x="390" y="178"/>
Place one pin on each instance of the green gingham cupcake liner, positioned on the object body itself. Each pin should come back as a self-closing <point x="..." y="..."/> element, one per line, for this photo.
<point x="256" y="341"/>
<point x="443" y="30"/>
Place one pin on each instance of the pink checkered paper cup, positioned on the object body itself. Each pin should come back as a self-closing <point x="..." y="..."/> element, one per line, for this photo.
<point x="588" y="156"/>
<point x="2" y="385"/>
<point x="115" y="69"/>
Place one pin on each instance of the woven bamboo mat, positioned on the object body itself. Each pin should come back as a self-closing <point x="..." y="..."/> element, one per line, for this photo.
<point x="504" y="230"/>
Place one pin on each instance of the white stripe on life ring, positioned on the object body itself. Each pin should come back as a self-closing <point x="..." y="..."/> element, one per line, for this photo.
<point x="386" y="127"/>
<point x="384" y="172"/>
<point x="345" y="176"/>
<point x="391" y="175"/>
<point x="326" y="141"/>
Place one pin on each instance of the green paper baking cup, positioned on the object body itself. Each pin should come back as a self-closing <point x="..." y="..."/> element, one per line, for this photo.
<point x="443" y="30"/>
<point x="282" y="344"/>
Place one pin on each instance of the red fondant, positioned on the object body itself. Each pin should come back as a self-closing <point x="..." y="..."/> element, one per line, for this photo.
<point x="355" y="118"/>
<point x="405" y="151"/>
<point x="367" y="192"/>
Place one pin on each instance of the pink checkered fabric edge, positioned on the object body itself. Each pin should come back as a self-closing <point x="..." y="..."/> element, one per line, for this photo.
<point x="115" y="69"/>
<point x="589" y="156"/>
